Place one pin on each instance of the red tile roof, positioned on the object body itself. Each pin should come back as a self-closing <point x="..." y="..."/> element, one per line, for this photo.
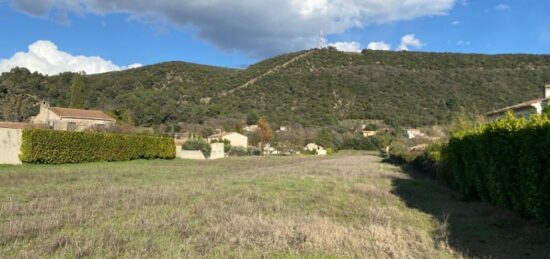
<point x="223" y="134"/>
<point x="517" y="106"/>
<point x="81" y="114"/>
<point x="15" y="125"/>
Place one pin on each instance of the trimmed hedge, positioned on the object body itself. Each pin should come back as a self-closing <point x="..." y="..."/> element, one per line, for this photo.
<point x="507" y="163"/>
<point x="59" y="147"/>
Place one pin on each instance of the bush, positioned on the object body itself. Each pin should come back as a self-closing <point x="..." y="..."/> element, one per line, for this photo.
<point x="309" y="152"/>
<point x="506" y="163"/>
<point x="399" y="152"/>
<point x="238" y="151"/>
<point x="359" y="143"/>
<point x="254" y="151"/>
<point x="198" y="144"/>
<point x="58" y="147"/>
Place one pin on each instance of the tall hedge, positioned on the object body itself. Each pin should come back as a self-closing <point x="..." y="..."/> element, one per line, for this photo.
<point x="58" y="147"/>
<point x="507" y="163"/>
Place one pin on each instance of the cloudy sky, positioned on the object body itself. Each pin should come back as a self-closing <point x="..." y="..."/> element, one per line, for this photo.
<point x="53" y="36"/>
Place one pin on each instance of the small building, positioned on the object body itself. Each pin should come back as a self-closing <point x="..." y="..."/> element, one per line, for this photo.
<point x="69" y="119"/>
<point x="535" y="106"/>
<point x="251" y="128"/>
<point x="419" y="148"/>
<point x="415" y="133"/>
<point x="369" y="133"/>
<point x="318" y="149"/>
<point x="235" y="139"/>
<point x="284" y="128"/>
<point x="271" y="150"/>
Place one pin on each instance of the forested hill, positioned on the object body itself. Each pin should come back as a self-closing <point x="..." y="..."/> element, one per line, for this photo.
<point x="313" y="88"/>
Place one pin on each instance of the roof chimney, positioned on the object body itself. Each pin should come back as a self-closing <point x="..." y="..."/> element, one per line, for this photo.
<point x="546" y="91"/>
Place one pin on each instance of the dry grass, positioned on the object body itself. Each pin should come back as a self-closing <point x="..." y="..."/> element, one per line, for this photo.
<point x="339" y="206"/>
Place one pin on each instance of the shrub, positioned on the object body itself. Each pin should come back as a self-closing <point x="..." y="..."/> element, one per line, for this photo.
<point x="506" y="163"/>
<point x="252" y="151"/>
<point x="399" y="152"/>
<point x="198" y="144"/>
<point x="238" y="151"/>
<point x="309" y="152"/>
<point x="359" y="143"/>
<point x="58" y="147"/>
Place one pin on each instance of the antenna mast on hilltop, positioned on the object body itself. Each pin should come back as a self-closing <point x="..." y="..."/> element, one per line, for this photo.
<point x="322" y="40"/>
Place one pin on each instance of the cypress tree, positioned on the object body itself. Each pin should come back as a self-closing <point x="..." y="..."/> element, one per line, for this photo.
<point x="77" y="92"/>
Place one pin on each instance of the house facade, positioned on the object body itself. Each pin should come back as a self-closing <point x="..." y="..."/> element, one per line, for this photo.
<point x="535" y="106"/>
<point x="69" y="119"/>
<point x="235" y="139"/>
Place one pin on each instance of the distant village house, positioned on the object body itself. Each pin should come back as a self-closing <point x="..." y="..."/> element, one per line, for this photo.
<point x="415" y="133"/>
<point x="369" y="133"/>
<point x="535" y="106"/>
<point x="69" y="119"/>
<point x="236" y="139"/>
<point x="251" y="128"/>
<point x="318" y="149"/>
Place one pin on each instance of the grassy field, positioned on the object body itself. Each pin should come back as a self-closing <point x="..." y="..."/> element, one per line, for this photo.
<point x="348" y="205"/>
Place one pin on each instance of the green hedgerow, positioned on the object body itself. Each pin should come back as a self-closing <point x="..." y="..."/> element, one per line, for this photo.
<point x="506" y="163"/>
<point x="58" y="147"/>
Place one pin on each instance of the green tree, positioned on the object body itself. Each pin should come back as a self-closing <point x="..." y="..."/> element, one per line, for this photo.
<point x="252" y="119"/>
<point x="77" y="92"/>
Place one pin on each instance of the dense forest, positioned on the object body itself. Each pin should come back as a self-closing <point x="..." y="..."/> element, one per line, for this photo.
<point x="316" y="88"/>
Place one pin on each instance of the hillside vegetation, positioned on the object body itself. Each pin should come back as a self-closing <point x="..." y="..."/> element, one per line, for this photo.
<point x="313" y="88"/>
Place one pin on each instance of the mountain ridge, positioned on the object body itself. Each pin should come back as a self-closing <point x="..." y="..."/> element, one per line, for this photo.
<point x="314" y="88"/>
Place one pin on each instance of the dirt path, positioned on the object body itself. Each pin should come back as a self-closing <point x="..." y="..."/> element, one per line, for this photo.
<point x="252" y="81"/>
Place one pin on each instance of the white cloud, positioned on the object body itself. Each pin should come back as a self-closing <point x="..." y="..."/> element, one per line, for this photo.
<point x="135" y="65"/>
<point x="455" y="23"/>
<point x="463" y="43"/>
<point x="347" y="46"/>
<point x="44" y="57"/>
<point x="410" y="40"/>
<point x="258" y="28"/>
<point x="464" y="2"/>
<point x="379" y="45"/>
<point x="502" y="7"/>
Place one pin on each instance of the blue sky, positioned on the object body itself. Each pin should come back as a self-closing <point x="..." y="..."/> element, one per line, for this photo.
<point x="238" y="33"/>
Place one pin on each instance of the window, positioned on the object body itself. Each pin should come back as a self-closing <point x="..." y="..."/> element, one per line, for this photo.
<point x="71" y="126"/>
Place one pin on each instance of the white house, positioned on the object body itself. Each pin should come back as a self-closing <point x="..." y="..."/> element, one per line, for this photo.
<point x="314" y="147"/>
<point x="251" y="128"/>
<point x="415" y="133"/>
<point x="72" y="119"/>
<point x="235" y="139"/>
<point x="535" y="106"/>
<point x="369" y="133"/>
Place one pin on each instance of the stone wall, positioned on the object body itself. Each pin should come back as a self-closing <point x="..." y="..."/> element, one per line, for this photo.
<point x="10" y="144"/>
<point x="217" y="151"/>
<point x="189" y="154"/>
